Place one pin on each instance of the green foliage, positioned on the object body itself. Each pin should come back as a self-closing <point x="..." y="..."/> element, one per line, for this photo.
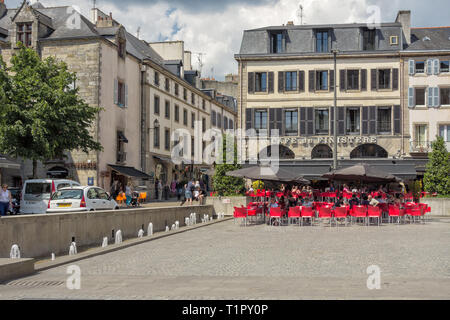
<point x="258" y="185"/>
<point x="41" y="116"/>
<point x="223" y="184"/>
<point x="437" y="175"/>
<point x="416" y="189"/>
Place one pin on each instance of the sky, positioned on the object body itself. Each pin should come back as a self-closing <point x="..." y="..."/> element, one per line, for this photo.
<point x="215" y="28"/>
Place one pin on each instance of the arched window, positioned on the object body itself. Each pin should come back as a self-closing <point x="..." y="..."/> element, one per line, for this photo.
<point x="368" y="151"/>
<point x="283" y="152"/>
<point x="322" y="151"/>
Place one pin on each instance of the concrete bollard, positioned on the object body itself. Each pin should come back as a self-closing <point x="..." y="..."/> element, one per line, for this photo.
<point x="105" y="242"/>
<point x="141" y="233"/>
<point x="118" y="237"/>
<point x="73" y="249"/>
<point x="150" y="229"/>
<point x="15" y="252"/>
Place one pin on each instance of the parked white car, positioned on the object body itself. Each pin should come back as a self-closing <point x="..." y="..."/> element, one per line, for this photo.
<point x="77" y="199"/>
<point x="37" y="193"/>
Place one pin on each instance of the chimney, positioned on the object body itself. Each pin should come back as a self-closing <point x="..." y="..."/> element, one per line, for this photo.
<point x="404" y="18"/>
<point x="3" y="9"/>
<point x="290" y="23"/>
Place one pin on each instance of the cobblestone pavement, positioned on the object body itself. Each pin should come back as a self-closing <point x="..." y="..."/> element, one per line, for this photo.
<point x="227" y="261"/>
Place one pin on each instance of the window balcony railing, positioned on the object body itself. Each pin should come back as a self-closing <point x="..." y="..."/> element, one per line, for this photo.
<point x="121" y="157"/>
<point x="420" y="146"/>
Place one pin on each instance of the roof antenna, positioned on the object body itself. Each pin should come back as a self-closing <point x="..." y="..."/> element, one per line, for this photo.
<point x="138" y="32"/>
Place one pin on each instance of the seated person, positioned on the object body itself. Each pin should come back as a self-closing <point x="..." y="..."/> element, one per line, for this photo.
<point x="273" y="204"/>
<point x="373" y="202"/>
<point x="354" y="201"/>
<point x="365" y="200"/>
<point x="339" y="203"/>
<point x="307" y="203"/>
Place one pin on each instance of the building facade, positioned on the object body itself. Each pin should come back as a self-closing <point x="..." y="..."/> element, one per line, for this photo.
<point x="143" y="97"/>
<point x="427" y="60"/>
<point x="287" y="82"/>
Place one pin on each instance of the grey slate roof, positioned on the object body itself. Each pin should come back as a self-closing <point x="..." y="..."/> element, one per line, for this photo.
<point x="439" y="39"/>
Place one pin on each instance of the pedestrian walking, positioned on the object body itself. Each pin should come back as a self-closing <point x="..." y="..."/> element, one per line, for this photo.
<point x="5" y="200"/>
<point x="128" y="193"/>
<point x="160" y="188"/>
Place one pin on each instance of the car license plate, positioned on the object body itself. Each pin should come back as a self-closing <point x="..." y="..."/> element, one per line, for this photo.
<point x="64" y="205"/>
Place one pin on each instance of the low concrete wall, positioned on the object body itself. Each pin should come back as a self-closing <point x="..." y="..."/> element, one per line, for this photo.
<point x="227" y="204"/>
<point x="41" y="235"/>
<point x="15" y="268"/>
<point x="439" y="206"/>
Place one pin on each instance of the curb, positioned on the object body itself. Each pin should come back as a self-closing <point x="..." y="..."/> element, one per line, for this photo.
<point x="90" y="253"/>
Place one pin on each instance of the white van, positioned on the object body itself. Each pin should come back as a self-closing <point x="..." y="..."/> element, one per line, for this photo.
<point x="36" y="194"/>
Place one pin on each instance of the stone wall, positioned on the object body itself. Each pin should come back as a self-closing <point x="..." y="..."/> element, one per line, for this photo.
<point x="439" y="206"/>
<point x="227" y="204"/>
<point x="41" y="235"/>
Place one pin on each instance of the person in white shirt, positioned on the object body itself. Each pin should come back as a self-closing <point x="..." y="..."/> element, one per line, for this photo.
<point x="5" y="200"/>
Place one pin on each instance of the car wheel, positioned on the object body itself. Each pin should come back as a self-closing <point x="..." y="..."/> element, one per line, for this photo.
<point x="116" y="208"/>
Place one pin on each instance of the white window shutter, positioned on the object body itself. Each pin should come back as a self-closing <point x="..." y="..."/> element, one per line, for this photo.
<point x="436" y="97"/>
<point x="116" y="91"/>
<point x="412" y="67"/>
<point x="411" y="103"/>
<point x="429" y="67"/>
<point x="126" y="95"/>
<point x="430" y="97"/>
<point x="436" y="66"/>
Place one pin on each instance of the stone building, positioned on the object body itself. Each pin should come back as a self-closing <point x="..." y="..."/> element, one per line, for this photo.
<point x="143" y="98"/>
<point x="427" y="61"/>
<point x="287" y="81"/>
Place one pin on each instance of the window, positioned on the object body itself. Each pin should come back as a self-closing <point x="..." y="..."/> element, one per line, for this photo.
<point x="322" y="80"/>
<point x="203" y="124"/>
<point x="192" y="120"/>
<point x="445" y="66"/>
<point x="156" y="134"/>
<point x="290" y="79"/>
<point x="368" y="151"/>
<point x="384" y="78"/>
<point x="225" y="123"/>
<point x="203" y="104"/>
<point x="260" y="81"/>
<point x="420" y="66"/>
<point x="384" y="120"/>
<point x="231" y="124"/>
<point x="444" y="132"/>
<point x="167" y="110"/>
<point x="219" y="120"/>
<point x="420" y="96"/>
<point x="24" y="33"/>
<point x="420" y="136"/>
<point x="322" y="41"/>
<point x="445" y="96"/>
<point x="120" y="147"/>
<point x="177" y="113"/>
<point x="192" y="146"/>
<point x="121" y="48"/>
<point x="277" y="42"/>
<point x="156" y="78"/>
<point x="167" y="139"/>
<point x="322" y="151"/>
<point x="353" y="121"/>
<point x="213" y="118"/>
<point x="321" y="121"/>
<point x="352" y="79"/>
<point x="176" y="89"/>
<point x="369" y="40"/>
<point x="185" y="117"/>
<point x="185" y="94"/>
<point x="121" y="93"/>
<point x="260" y="119"/>
<point x="393" y="40"/>
<point x="156" y="105"/>
<point x="193" y="98"/>
<point x="167" y="84"/>
<point x="291" y="122"/>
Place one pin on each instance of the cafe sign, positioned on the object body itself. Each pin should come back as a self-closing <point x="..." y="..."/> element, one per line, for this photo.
<point x="357" y="140"/>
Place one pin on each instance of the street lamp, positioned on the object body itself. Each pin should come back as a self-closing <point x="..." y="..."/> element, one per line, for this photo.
<point x="335" y="52"/>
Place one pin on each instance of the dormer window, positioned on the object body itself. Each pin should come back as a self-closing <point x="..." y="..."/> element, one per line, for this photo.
<point x="122" y="48"/>
<point x="277" y="42"/>
<point x="322" y="41"/>
<point x="369" y="39"/>
<point x="24" y="33"/>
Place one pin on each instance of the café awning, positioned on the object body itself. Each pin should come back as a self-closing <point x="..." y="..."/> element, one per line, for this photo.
<point x="129" y="171"/>
<point x="161" y="158"/>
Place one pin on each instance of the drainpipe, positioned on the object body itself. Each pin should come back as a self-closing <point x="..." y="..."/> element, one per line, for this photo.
<point x="142" y="117"/>
<point x="402" y="104"/>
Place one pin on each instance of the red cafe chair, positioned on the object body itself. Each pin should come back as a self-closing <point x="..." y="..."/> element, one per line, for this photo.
<point x="294" y="213"/>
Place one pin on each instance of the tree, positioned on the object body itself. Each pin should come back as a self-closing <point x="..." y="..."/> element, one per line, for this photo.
<point x="223" y="184"/>
<point x="437" y="174"/>
<point x="41" y="114"/>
